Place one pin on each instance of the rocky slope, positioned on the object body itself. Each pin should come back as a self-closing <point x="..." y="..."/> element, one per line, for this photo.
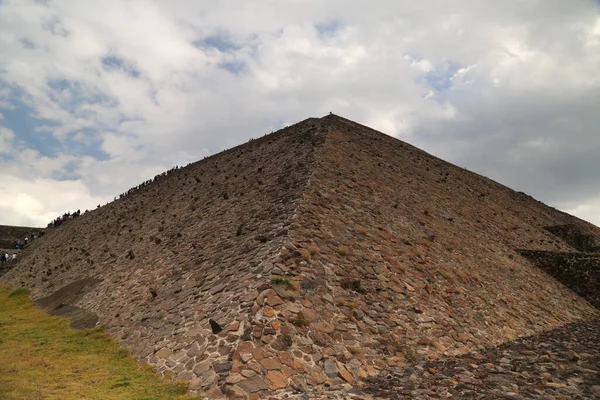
<point x="318" y="255"/>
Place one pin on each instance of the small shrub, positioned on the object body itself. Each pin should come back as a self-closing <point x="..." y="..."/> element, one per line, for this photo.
<point x="281" y="281"/>
<point x="353" y="284"/>
<point x="313" y="249"/>
<point x="157" y="240"/>
<point x="283" y="342"/>
<point x="287" y="339"/>
<point x="342" y="250"/>
<point x="304" y="254"/>
<point x="301" y="320"/>
<point x="410" y="354"/>
<point x="131" y="255"/>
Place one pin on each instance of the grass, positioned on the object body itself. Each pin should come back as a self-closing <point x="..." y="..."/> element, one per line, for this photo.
<point x="42" y="358"/>
<point x="342" y="250"/>
<point x="313" y="249"/>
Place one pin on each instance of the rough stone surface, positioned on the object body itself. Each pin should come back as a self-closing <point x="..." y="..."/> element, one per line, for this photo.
<point x="276" y="380"/>
<point x="334" y="246"/>
<point x="579" y="272"/>
<point x="563" y="363"/>
<point x="254" y="384"/>
<point x="330" y="368"/>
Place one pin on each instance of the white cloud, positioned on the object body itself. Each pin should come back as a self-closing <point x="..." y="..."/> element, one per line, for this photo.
<point x="589" y="211"/>
<point x="525" y="74"/>
<point x="27" y="202"/>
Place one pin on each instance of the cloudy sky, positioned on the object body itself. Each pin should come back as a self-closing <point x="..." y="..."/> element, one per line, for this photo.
<point x="96" y="96"/>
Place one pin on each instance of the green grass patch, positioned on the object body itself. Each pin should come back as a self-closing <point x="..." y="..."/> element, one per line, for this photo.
<point x="42" y="358"/>
<point x="18" y="292"/>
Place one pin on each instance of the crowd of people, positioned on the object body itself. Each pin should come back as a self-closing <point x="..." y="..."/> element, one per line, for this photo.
<point x="148" y="182"/>
<point x="20" y="244"/>
<point x="69" y="216"/>
<point x="6" y="258"/>
<point x="64" y="218"/>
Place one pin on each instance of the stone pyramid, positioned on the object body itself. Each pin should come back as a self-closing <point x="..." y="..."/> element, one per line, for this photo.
<point x="320" y="254"/>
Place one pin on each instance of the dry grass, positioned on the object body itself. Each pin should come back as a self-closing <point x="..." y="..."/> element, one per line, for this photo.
<point x="361" y="230"/>
<point x="446" y="273"/>
<point x="42" y="358"/>
<point x="304" y="254"/>
<point x="340" y="301"/>
<point x="313" y="249"/>
<point x="342" y="250"/>
<point x="301" y="320"/>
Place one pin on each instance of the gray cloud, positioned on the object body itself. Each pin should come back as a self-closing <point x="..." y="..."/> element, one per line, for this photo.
<point x="507" y="89"/>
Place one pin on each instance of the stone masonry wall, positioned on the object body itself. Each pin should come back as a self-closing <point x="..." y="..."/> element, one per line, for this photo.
<point x="573" y="235"/>
<point x="580" y="272"/>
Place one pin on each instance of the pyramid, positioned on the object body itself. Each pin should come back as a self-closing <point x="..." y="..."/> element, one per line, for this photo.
<point x="321" y="254"/>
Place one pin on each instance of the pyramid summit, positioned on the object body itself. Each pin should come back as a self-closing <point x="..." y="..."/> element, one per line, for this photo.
<point x="317" y="256"/>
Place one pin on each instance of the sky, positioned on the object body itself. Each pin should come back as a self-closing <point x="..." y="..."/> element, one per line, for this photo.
<point x="98" y="96"/>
